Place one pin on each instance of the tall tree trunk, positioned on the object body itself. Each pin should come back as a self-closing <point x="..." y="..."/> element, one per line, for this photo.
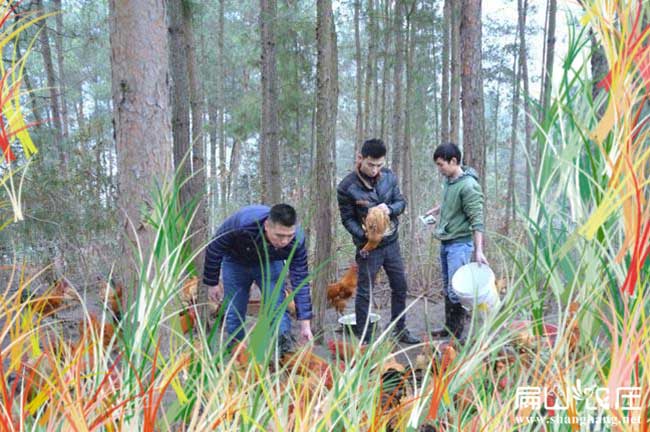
<point x="436" y="101"/>
<point x="327" y="91"/>
<point x="472" y="88"/>
<point x="359" y="126"/>
<point x="549" y="56"/>
<point x="397" y="123"/>
<point x="180" y="98"/>
<point x="270" y="147"/>
<point x="497" y="168"/>
<point x="510" y="201"/>
<point x="51" y="83"/>
<point x="407" y="176"/>
<point x="523" y="61"/>
<point x="235" y="159"/>
<point x="454" y="98"/>
<point x="58" y="43"/>
<point x="221" y="89"/>
<point x="197" y="186"/>
<point x="444" y="92"/>
<point x="385" y="67"/>
<point x="140" y="93"/>
<point x="370" y="74"/>
<point x="28" y="83"/>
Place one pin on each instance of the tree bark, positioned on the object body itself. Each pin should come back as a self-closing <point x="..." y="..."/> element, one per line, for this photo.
<point x="386" y="68"/>
<point x="58" y="43"/>
<point x="51" y="83"/>
<point x="197" y="186"/>
<point x="523" y="61"/>
<point x="327" y="92"/>
<point x="370" y="74"/>
<point x="359" y="125"/>
<point x="444" y="92"/>
<point x="454" y="98"/>
<point x="472" y="88"/>
<point x="221" y="89"/>
<point x="180" y="98"/>
<point x="397" y="123"/>
<point x="409" y="186"/>
<point x="549" y="57"/>
<point x="510" y="201"/>
<point x="269" y="145"/>
<point x="140" y="93"/>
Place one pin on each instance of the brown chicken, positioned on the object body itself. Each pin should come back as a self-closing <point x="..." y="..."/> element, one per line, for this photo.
<point x="375" y="225"/>
<point x="339" y="293"/>
<point x="52" y="300"/>
<point x="189" y="291"/>
<point x="106" y="330"/>
<point x="307" y="364"/>
<point x="113" y="292"/>
<point x="341" y="349"/>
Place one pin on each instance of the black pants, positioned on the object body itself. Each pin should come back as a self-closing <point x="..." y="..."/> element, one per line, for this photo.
<point x="390" y="258"/>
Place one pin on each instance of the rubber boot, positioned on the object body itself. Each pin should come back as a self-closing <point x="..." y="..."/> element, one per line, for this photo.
<point x="446" y="330"/>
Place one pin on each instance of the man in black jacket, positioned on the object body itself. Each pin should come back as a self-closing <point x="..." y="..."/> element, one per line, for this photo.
<point x="373" y="185"/>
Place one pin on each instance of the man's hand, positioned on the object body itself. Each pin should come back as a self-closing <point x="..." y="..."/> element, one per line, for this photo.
<point x="305" y="331"/>
<point x="433" y="211"/>
<point x="215" y="294"/>
<point x="384" y="208"/>
<point x="480" y="258"/>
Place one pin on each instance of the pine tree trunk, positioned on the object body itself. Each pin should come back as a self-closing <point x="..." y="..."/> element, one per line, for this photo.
<point x="523" y="60"/>
<point x="58" y="43"/>
<point x="197" y="186"/>
<point x="359" y="125"/>
<point x="444" y="92"/>
<point x="472" y="88"/>
<point x="180" y="98"/>
<point x="510" y="201"/>
<point x="549" y="56"/>
<point x="139" y="74"/>
<point x="386" y="69"/>
<point x="327" y="92"/>
<point x="454" y="97"/>
<point x="221" y="172"/>
<point x="409" y="187"/>
<point x="270" y="147"/>
<point x="57" y="136"/>
<point x="369" y="132"/>
<point x="397" y="123"/>
<point x="28" y="84"/>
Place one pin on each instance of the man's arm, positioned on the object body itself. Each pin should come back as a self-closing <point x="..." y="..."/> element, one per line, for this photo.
<point x="472" y="201"/>
<point x="216" y="250"/>
<point x="298" y="273"/>
<point x="397" y="202"/>
<point x="478" y="248"/>
<point x="299" y="270"/>
<point x="348" y="216"/>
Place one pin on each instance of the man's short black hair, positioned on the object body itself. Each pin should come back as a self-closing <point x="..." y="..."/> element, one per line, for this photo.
<point x="374" y="148"/>
<point x="447" y="152"/>
<point x="283" y="214"/>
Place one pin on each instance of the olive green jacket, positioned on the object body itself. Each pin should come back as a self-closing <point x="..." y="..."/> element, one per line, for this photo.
<point x="461" y="210"/>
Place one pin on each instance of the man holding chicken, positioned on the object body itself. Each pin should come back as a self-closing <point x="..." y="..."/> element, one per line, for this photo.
<point x="370" y="185"/>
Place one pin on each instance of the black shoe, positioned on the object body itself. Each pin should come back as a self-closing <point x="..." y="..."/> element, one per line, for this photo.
<point x="405" y="336"/>
<point x="286" y="344"/>
<point x="457" y="322"/>
<point x="440" y="333"/>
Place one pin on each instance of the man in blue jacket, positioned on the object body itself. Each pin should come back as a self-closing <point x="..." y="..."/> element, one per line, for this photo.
<point x="242" y="247"/>
<point x="373" y="185"/>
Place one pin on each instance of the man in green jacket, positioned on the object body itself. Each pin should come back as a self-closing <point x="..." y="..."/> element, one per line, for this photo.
<point x="459" y="229"/>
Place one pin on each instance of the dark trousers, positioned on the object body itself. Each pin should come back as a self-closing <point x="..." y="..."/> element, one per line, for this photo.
<point x="390" y="258"/>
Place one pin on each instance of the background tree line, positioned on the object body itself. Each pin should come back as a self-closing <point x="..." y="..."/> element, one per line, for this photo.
<point x="267" y="101"/>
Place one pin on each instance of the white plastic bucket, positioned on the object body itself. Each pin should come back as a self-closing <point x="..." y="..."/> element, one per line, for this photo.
<point x="475" y="286"/>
